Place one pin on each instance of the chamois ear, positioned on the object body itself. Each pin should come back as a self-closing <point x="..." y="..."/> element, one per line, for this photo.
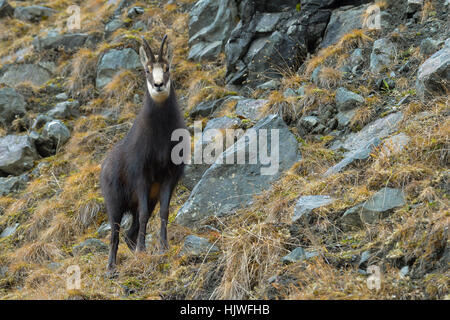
<point x="143" y="57"/>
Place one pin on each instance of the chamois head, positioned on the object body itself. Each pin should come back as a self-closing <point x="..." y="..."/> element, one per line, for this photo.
<point x="157" y="71"/>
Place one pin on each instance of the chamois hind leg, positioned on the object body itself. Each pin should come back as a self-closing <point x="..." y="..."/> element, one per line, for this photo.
<point x="115" y="217"/>
<point x="164" y="197"/>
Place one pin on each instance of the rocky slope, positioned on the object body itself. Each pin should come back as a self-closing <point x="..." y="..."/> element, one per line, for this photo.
<point x="358" y="91"/>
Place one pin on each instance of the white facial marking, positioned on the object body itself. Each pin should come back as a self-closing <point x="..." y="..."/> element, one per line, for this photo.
<point x="158" y="75"/>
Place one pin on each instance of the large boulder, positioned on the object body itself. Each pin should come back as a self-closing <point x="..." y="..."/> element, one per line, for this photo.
<point x="17" y="154"/>
<point x="433" y="77"/>
<point x="263" y="44"/>
<point x="33" y="13"/>
<point x="214" y="132"/>
<point x="55" y="40"/>
<point x="113" y="61"/>
<point x="224" y="188"/>
<point x="14" y="74"/>
<point x="210" y="25"/>
<point x="343" y="21"/>
<point x="12" y="105"/>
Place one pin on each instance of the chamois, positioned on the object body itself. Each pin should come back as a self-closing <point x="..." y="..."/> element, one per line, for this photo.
<point x="139" y="171"/>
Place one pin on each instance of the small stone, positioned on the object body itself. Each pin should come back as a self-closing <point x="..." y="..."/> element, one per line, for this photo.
<point x="299" y="254"/>
<point x="9" y="231"/>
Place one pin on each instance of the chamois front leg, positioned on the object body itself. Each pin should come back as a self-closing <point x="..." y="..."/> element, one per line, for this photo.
<point x="144" y="215"/>
<point x="164" y="198"/>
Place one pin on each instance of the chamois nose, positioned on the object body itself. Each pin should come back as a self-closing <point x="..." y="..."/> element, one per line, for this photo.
<point x="158" y="86"/>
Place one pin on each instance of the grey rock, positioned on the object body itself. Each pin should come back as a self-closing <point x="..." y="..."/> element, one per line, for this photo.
<point x="9" y="231"/>
<point x="17" y="154"/>
<point x="343" y="21"/>
<point x="377" y="207"/>
<point x="65" y="110"/>
<point x="134" y="12"/>
<point x="380" y="128"/>
<point x="12" y="105"/>
<point x="298" y="254"/>
<point x="365" y="256"/>
<point x="197" y="246"/>
<point x="12" y="184"/>
<point x="395" y="144"/>
<point x="113" y="61"/>
<point x="382" y="55"/>
<point x="140" y="26"/>
<point x="268" y="21"/>
<point x="194" y="172"/>
<point x="210" y="25"/>
<point x="254" y="54"/>
<point x="344" y="118"/>
<point x="357" y="57"/>
<point x="62" y="96"/>
<point x="40" y="121"/>
<point x="315" y="75"/>
<point x="105" y="227"/>
<point x="362" y="153"/>
<point x="205" y="50"/>
<point x="429" y="46"/>
<point x="269" y="85"/>
<point x="226" y="187"/>
<point x="250" y="108"/>
<point x="207" y="108"/>
<point x="413" y="6"/>
<point x="433" y="76"/>
<point x="347" y="100"/>
<point x="55" y="40"/>
<point x="289" y="92"/>
<point x="56" y="131"/>
<point x="14" y="74"/>
<point x="114" y="25"/>
<point x="404" y="271"/>
<point x="306" y="204"/>
<point x="267" y="54"/>
<point x="33" y="13"/>
<point x="90" y="246"/>
<point x="309" y="122"/>
<point x="5" y="9"/>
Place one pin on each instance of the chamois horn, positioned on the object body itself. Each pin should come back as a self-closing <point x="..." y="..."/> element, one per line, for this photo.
<point x="162" y="48"/>
<point x="148" y="49"/>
